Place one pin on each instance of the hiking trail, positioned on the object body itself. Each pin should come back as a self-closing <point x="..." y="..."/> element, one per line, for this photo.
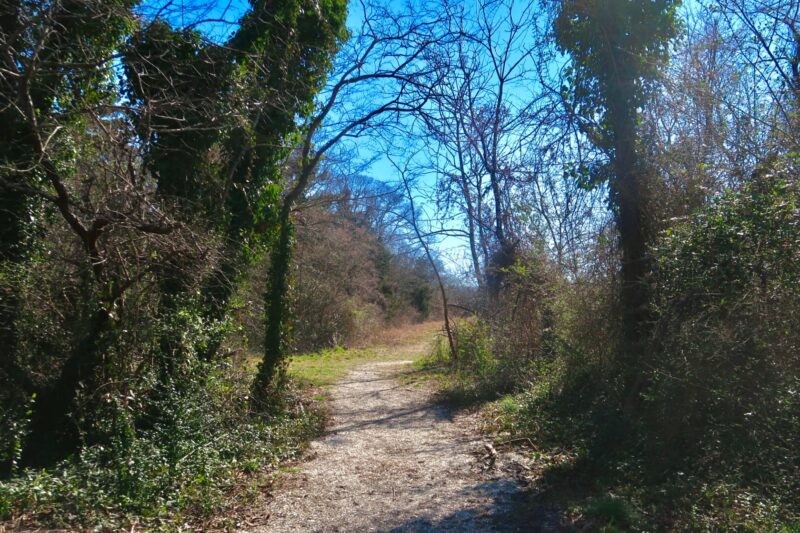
<point x="394" y="459"/>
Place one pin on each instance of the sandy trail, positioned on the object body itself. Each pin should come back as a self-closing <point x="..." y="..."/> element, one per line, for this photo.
<point x="395" y="460"/>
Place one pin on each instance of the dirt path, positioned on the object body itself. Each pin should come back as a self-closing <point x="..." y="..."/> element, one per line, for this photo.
<point x="394" y="460"/>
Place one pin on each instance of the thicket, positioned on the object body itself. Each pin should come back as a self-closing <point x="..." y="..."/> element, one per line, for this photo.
<point x="711" y="439"/>
<point x="187" y="454"/>
<point x="140" y="173"/>
<point x="623" y="176"/>
<point x="650" y="352"/>
<point x="723" y="369"/>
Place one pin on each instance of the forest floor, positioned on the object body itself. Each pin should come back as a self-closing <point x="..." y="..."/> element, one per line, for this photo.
<point x="394" y="458"/>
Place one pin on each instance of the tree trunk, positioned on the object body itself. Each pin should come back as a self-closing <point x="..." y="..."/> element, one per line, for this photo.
<point x="505" y="254"/>
<point x="415" y="226"/>
<point x="473" y="250"/>
<point x="795" y="63"/>
<point x="633" y="240"/>
<point x="277" y="308"/>
<point x="53" y="435"/>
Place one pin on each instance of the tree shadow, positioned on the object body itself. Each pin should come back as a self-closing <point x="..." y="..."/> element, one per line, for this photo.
<point x="503" y="506"/>
<point x="396" y="418"/>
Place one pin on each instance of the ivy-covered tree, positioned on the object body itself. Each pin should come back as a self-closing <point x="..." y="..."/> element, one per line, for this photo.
<point x="296" y="71"/>
<point x="383" y="59"/>
<point x="57" y="72"/>
<point x="616" y="49"/>
<point x="154" y="154"/>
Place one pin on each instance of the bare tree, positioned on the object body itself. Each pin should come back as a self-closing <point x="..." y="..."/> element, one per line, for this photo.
<point x="410" y="215"/>
<point x="497" y="134"/>
<point x="764" y="36"/>
<point x="377" y="79"/>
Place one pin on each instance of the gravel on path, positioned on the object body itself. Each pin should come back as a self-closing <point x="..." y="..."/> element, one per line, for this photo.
<point x="395" y="460"/>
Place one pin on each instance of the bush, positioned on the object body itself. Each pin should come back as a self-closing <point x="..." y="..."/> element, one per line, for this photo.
<point x="167" y="436"/>
<point x="512" y="343"/>
<point x="612" y="512"/>
<point x="474" y="344"/>
<point x="724" y="367"/>
<point x="183" y="461"/>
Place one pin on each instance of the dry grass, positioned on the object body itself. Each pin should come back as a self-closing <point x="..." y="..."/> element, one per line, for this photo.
<point x="408" y="338"/>
<point x="403" y="343"/>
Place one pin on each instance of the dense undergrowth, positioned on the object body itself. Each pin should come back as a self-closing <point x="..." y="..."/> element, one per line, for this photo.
<point x="633" y="224"/>
<point x="710" y="441"/>
<point x="184" y="454"/>
<point x="203" y="452"/>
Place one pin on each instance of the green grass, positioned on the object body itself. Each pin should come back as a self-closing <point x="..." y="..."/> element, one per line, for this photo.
<point x="612" y="513"/>
<point x="323" y="369"/>
<point x="410" y="342"/>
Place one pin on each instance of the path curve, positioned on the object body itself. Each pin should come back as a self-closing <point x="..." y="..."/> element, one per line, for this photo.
<point x="394" y="460"/>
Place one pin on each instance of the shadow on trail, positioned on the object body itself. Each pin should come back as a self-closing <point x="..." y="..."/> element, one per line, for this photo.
<point x="399" y="419"/>
<point x="508" y="511"/>
<point x="397" y="459"/>
<point x="376" y="393"/>
<point x="411" y="374"/>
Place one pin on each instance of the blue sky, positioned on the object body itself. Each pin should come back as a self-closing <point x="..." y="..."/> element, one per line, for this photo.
<point x="218" y="21"/>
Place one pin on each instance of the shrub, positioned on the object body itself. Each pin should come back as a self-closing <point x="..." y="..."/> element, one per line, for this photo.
<point x="612" y="512"/>
<point x="166" y="437"/>
<point x="473" y="342"/>
<point x="724" y="367"/>
<point x="515" y="340"/>
<point x="185" y="459"/>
